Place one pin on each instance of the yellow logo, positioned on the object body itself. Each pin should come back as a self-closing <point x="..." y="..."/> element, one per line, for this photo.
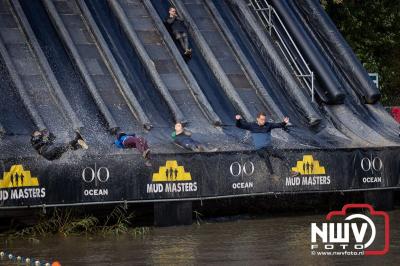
<point x="18" y="177"/>
<point x="171" y="172"/>
<point x="309" y="166"/>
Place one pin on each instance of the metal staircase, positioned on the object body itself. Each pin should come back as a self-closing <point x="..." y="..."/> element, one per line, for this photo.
<point x="271" y="21"/>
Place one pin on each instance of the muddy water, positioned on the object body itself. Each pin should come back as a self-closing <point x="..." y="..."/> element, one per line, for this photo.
<point x="261" y="241"/>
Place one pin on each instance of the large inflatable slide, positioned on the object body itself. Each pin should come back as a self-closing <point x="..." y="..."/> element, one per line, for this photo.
<point x="98" y="67"/>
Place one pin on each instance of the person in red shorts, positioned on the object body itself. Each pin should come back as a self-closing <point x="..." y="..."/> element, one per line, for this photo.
<point x="131" y="141"/>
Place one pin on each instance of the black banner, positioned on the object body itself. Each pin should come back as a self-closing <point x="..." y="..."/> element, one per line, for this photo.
<point x="124" y="177"/>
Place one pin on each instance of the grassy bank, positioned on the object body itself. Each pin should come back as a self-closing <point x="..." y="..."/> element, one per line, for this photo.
<point x="72" y="221"/>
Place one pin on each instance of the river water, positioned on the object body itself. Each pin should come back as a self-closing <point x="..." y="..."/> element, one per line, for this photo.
<point x="275" y="240"/>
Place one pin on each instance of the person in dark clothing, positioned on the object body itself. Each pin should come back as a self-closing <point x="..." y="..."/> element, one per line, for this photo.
<point x="183" y="138"/>
<point x="131" y="141"/>
<point x="261" y="135"/>
<point x="43" y="142"/>
<point x="176" y="25"/>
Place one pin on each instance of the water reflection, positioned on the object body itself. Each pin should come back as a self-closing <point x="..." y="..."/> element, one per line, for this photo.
<point x="262" y="241"/>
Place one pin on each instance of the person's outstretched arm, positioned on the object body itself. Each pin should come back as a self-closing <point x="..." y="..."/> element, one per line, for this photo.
<point x="277" y="125"/>
<point x="281" y="124"/>
<point x="240" y="123"/>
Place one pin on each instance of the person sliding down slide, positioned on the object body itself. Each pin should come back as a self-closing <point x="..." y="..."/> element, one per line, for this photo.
<point x="176" y="25"/>
<point x="43" y="142"/>
<point x="261" y="135"/>
<point x="183" y="138"/>
<point x="131" y="141"/>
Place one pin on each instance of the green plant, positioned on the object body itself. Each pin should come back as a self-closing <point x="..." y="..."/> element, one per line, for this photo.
<point x="372" y="30"/>
<point x="72" y="222"/>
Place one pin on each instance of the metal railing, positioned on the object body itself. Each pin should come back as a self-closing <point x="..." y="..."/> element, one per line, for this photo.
<point x="269" y="18"/>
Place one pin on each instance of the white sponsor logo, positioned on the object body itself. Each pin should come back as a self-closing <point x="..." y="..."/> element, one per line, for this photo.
<point x="98" y="176"/>
<point x="238" y="169"/>
<point x="373" y="166"/>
